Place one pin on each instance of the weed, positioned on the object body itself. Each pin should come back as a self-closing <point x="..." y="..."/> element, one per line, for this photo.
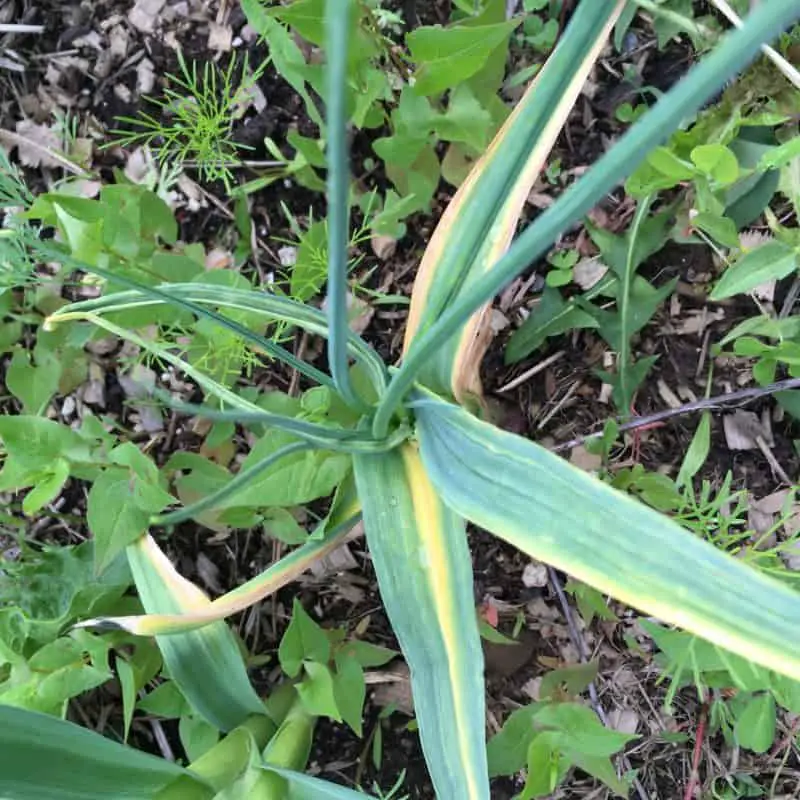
<point x="196" y="125"/>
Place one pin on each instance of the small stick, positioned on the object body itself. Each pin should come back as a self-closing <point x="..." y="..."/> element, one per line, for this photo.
<point x="529" y="373"/>
<point x="742" y="396"/>
<point x="694" y="778"/>
<point x="559" y="405"/>
<point x="789" y="70"/>
<point x="18" y="27"/>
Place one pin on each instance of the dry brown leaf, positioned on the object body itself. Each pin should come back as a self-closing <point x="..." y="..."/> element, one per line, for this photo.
<point x="145" y="13"/>
<point x="209" y="573"/>
<point x="220" y="37"/>
<point x="534" y="575"/>
<point x="118" y="42"/>
<point x="141" y="167"/>
<point x="383" y="246"/>
<point x="219" y="259"/>
<point x="759" y="520"/>
<point x="359" y="312"/>
<point x="137" y="385"/>
<point x="772" y="503"/>
<point x="667" y="395"/>
<point x="392" y="688"/>
<point x="623" y="720"/>
<point x="145" y="77"/>
<point x="36" y="144"/>
<point x="532" y="688"/>
<point x="583" y="459"/>
<point x="94" y="390"/>
<point x="588" y="271"/>
<point x="339" y="560"/>
<point x="696" y="321"/>
<point x="742" y="430"/>
<point x="505" y="660"/>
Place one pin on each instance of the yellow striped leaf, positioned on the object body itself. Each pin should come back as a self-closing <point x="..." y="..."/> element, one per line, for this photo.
<point x="420" y="553"/>
<point x="479" y="223"/>
<point x="206" y="664"/>
<point x="288" y="569"/>
<point x="559" y="514"/>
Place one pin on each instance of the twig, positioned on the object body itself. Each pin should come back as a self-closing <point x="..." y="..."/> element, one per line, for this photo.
<point x="18" y="27"/>
<point x="559" y="405"/>
<point x="14" y="139"/>
<point x="580" y="646"/>
<point x="790" y="299"/>
<point x="529" y="373"/>
<point x="787" y="69"/>
<point x="742" y="396"/>
<point x="694" y="778"/>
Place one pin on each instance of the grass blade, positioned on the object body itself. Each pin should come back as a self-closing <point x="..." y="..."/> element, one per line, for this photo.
<point x="624" y="366"/>
<point x="420" y="553"/>
<point x="206" y="664"/>
<point x="46" y="758"/>
<point x="337" y="29"/>
<point x="559" y="514"/>
<point x="736" y="51"/>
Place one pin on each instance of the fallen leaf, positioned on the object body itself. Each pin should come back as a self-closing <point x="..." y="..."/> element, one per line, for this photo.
<point x="220" y="37"/>
<point x="145" y="13"/>
<point x="287" y="255"/>
<point x="695" y="322"/>
<point x="33" y="144"/>
<point x="393" y="688"/>
<point x="218" y="259"/>
<point x="667" y="395"/>
<point x="137" y="385"/>
<point x="118" y="42"/>
<point x="209" y="573"/>
<point x="532" y="688"/>
<point x="791" y="556"/>
<point x="534" y="575"/>
<point x="339" y="560"/>
<point x="772" y="503"/>
<point x="383" y="246"/>
<point x="583" y="459"/>
<point x="145" y="77"/>
<point x="588" y="271"/>
<point x="624" y="720"/>
<point x="742" y="429"/>
<point x="504" y="660"/>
